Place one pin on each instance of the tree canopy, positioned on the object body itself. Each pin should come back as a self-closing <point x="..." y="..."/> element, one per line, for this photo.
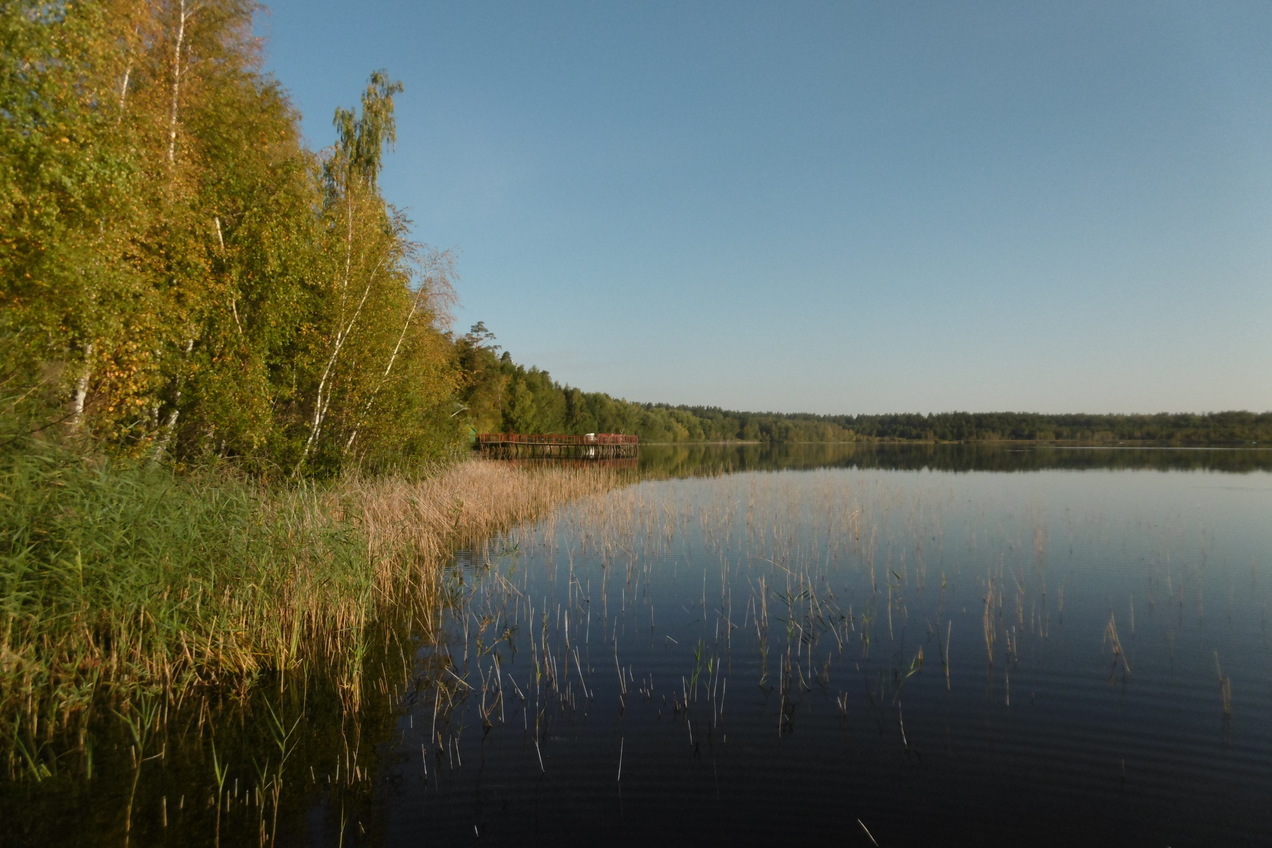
<point x="182" y="279"/>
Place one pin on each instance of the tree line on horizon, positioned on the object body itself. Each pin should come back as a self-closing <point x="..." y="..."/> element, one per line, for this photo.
<point x="501" y="396"/>
<point x="184" y="281"/>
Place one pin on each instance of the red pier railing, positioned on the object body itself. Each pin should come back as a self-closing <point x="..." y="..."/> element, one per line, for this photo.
<point x="558" y="445"/>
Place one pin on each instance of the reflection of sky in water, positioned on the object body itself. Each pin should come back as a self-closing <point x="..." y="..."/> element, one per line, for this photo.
<point x="816" y="612"/>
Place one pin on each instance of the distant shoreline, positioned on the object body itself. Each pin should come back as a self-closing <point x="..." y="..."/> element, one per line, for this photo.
<point x="1054" y="443"/>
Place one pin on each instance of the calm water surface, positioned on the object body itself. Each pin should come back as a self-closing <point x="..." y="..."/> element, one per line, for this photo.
<point x="843" y="645"/>
<point x="907" y="655"/>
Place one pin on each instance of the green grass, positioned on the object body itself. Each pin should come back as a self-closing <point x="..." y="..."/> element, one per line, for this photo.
<point x="121" y="582"/>
<point x="117" y="581"/>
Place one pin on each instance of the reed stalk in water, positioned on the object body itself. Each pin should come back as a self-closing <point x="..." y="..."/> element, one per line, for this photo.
<point x="1119" y="656"/>
<point x="1225" y="689"/>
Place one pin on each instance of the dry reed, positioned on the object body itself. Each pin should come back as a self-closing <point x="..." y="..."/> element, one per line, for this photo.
<point x="122" y="586"/>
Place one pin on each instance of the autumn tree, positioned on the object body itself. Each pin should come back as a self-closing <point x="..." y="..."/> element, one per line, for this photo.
<point x="181" y="277"/>
<point x="384" y="298"/>
<point x="66" y="212"/>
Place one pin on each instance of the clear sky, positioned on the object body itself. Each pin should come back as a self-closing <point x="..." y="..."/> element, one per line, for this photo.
<point x="834" y="207"/>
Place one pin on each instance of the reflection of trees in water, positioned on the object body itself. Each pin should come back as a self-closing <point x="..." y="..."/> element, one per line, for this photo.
<point x="708" y="459"/>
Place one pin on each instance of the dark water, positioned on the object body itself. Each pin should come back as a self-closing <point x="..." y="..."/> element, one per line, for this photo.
<point x="894" y="646"/>
<point x="914" y="653"/>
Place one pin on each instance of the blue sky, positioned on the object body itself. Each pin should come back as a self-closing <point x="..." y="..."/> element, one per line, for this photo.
<point x="834" y="207"/>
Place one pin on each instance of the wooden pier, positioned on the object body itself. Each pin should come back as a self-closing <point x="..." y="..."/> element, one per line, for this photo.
<point x="590" y="446"/>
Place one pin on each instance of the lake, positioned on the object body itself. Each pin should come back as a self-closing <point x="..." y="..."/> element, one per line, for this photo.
<point x="875" y="646"/>
<point x="883" y="646"/>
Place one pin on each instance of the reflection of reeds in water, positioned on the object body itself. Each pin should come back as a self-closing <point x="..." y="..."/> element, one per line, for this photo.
<point x="945" y="655"/>
<point x="821" y="579"/>
<point x="992" y="601"/>
<point x="1112" y="639"/>
<point x="1225" y="689"/>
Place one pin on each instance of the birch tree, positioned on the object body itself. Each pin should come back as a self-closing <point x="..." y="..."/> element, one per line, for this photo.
<point x="181" y="277"/>
<point x="372" y="246"/>
<point x="68" y="209"/>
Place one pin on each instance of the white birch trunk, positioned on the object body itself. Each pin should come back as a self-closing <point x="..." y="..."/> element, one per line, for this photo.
<point x="384" y="377"/>
<point x="123" y="89"/>
<point x="322" y="398"/>
<point x="435" y="285"/>
<point x="80" y="395"/>
<point x="184" y="12"/>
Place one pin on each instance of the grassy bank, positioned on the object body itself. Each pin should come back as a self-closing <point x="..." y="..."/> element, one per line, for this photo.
<point x="123" y="585"/>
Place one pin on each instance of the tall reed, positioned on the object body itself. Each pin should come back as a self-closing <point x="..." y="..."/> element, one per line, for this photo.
<point x="122" y="582"/>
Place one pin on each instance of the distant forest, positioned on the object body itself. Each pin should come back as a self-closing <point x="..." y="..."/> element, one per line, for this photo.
<point x="500" y="395"/>
<point x="183" y="281"/>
